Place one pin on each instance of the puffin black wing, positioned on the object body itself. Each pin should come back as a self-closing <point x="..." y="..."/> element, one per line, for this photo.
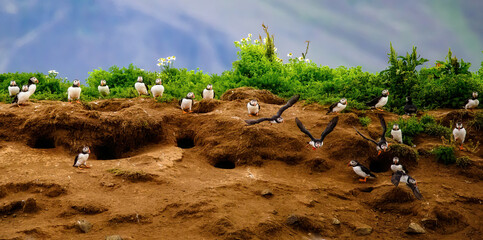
<point x="147" y="89"/>
<point x="181" y="100"/>
<point x="373" y="102"/>
<point x="410" y="108"/>
<point x="290" y="102"/>
<point x="252" y="121"/>
<point x="368" y="139"/>
<point x="384" y="128"/>
<point x="302" y="128"/>
<point x="415" y="189"/>
<point x="75" y="160"/>
<point x="366" y="170"/>
<point x="332" y="108"/>
<point x="15" y="99"/>
<point x="396" y="177"/>
<point x="330" y="127"/>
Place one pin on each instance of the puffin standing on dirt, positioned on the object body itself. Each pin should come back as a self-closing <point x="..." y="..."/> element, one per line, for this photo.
<point x="472" y="102"/>
<point x="382" y="144"/>
<point x="277" y="118"/>
<point x="103" y="88"/>
<point x="314" y="142"/>
<point x="253" y="107"/>
<point x="208" y="92"/>
<point x="380" y="101"/>
<point x="157" y="90"/>
<point x="396" y="166"/>
<point x="32" y="85"/>
<point x="80" y="160"/>
<point x="396" y="133"/>
<point x="338" y="106"/>
<point x="410" y="108"/>
<point x="13" y="89"/>
<point x="187" y="102"/>
<point x="401" y="176"/>
<point x="141" y="87"/>
<point x="459" y="134"/>
<point x="361" y="170"/>
<point x="73" y="92"/>
<point x="22" y="97"/>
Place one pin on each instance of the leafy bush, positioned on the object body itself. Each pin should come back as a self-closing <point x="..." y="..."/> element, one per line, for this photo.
<point x="365" y="121"/>
<point x="463" y="162"/>
<point x="445" y="154"/>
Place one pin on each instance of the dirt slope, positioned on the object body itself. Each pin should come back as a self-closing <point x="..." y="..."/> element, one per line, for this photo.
<point x="143" y="185"/>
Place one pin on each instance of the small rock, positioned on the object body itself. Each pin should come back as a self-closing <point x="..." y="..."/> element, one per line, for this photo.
<point x="335" y="221"/>
<point x="362" y="229"/>
<point x="114" y="237"/>
<point x="30" y="205"/>
<point x="83" y="225"/>
<point x="267" y="193"/>
<point x="415" y="229"/>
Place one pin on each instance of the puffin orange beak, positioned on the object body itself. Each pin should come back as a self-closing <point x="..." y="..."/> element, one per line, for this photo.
<point x="349" y="164"/>
<point x="89" y="151"/>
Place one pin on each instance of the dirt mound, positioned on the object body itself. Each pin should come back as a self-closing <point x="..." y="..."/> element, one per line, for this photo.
<point x="206" y="106"/>
<point x="395" y="200"/>
<point x="248" y="93"/>
<point x="448" y="221"/>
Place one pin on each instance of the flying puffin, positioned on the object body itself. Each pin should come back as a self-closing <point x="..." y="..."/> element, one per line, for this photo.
<point x="13" y="89"/>
<point x="253" y="107"/>
<point x="103" y="88"/>
<point x="396" y="166"/>
<point x="382" y="144"/>
<point x="73" y="92"/>
<point x="277" y="118"/>
<point x="380" y="101"/>
<point x="31" y="84"/>
<point x="459" y="134"/>
<point x="472" y="102"/>
<point x="187" y="102"/>
<point x="396" y="133"/>
<point x="80" y="160"/>
<point x="157" y="90"/>
<point x="410" y="108"/>
<point x="141" y="87"/>
<point x="208" y="92"/>
<point x="361" y="170"/>
<point x="22" y="96"/>
<point x="317" y="143"/>
<point x="338" y="106"/>
<point x="401" y="176"/>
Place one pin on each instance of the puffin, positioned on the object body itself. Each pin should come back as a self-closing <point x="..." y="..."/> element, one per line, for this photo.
<point x="13" y="89"/>
<point x="277" y="118"/>
<point x="314" y="142"/>
<point x="32" y="85"/>
<point x="23" y="96"/>
<point x="472" y="102"/>
<point x="380" y="101"/>
<point x="208" y="92"/>
<point x="410" y="108"/>
<point x="361" y="170"/>
<point x="157" y="90"/>
<point x="73" y="92"/>
<point x="187" y="102"/>
<point x="103" y="88"/>
<point x="396" y="166"/>
<point x="141" y="87"/>
<point x="459" y="134"/>
<point x="396" y="133"/>
<point x="338" y="106"/>
<point x="253" y="107"/>
<point x="382" y="144"/>
<point x="401" y="176"/>
<point x="80" y="160"/>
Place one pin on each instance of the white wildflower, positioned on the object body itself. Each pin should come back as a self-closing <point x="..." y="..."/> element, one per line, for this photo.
<point x="301" y="58"/>
<point x="289" y="55"/>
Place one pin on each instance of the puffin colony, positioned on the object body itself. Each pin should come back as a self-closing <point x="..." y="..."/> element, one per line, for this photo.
<point x="400" y="173"/>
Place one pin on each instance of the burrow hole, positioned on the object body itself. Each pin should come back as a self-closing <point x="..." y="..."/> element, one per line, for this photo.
<point x="185" y="142"/>
<point x="224" y="163"/>
<point x="43" y="142"/>
<point x="106" y="152"/>
<point x="382" y="164"/>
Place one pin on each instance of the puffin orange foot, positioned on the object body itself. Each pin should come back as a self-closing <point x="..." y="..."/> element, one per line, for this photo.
<point x="363" y="180"/>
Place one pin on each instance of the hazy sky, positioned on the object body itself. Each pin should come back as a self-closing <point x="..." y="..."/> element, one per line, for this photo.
<point x="75" y="37"/>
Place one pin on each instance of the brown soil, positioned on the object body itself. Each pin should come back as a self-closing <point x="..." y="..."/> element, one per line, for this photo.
<point x="159" y="174"/>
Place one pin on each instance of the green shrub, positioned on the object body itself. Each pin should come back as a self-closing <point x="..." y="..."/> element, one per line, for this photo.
<point x="445" y="154"/>
<point x="463" y="162"/>
<point x="365" y="121"/>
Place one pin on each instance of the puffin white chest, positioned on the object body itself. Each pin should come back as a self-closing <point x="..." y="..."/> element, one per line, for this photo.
<point x="208" y="94"/>
<point x="13" y="90"/>
<point x="81" y="159"/>
<point x="459" y="134"/>
<point x="103" y="90"/>
<point x="397" y="135"/>
<point x="23" y="97"/>
<point x="358" y="171"/>
<point x="32" y="88"/>
<point x="404" y="178"/>
<point x="73" y="93"/>
<point x="141" y="88"/>
<point x="157" y="91"/>
<point x="252" y="109"/>
<point x="186" y="104"/>
<point x="382" y="102"/>
<point x="339" y="107"/>
<point x="472" y="103"/>
<point x="396" y="168"/>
